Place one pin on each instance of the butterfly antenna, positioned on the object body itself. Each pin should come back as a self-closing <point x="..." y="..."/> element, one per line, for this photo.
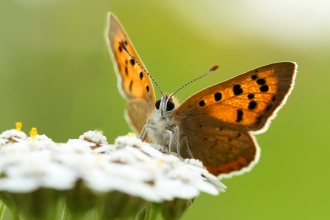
<point x="205" y="74"/>
<point x="121" y="44"/>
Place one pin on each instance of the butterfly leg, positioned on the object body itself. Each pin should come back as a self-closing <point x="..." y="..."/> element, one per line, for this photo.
<point x="153" y="130"/>
<point x="188" y="148"/>
<point x="170" y="134"/>
<point x="143" y="133"/>
<point x="179" y="141"/>
<point x="145" y="130"/>
<point x="165" y="138"/>
<point x="177" y="134"/>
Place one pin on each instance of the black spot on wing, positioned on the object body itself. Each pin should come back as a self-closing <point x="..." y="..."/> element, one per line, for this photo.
<point x="217" y="96"/>
<point x="239" y="116"/>
<point x="237" y="89"/>
<point x="252" y="105"/>
<point x="274" y="98"/>
<point x="261" y="81"/>
<point x="264" y="88"/>
<point x="254" y="77"/>
<point x="250" y="96"/>
<point x="132" y="61"/>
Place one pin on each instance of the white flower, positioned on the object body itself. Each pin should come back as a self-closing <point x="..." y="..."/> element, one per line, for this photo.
<point x="94" y="137"/>
<point x="130" y="166"/>
<point x="12" y="135"/>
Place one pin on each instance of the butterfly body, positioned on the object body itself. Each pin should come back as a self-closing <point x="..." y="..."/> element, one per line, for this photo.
<point x="215" y="125"/>
<point x="161" y="127"/>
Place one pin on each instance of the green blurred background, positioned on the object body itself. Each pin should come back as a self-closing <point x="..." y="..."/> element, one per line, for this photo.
<point x="56" y="75"/>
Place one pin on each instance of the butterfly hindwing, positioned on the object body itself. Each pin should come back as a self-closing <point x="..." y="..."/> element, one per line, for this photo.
<point x="224" y="151"/>
<point x="137" y="114"/>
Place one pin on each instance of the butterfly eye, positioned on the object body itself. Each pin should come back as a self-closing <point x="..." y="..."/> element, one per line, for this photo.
<point x="157" y="104"/>
<point x="170" y="105"/>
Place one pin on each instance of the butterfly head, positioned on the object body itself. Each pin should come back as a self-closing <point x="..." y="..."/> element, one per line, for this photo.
<point x="165" y="105"/>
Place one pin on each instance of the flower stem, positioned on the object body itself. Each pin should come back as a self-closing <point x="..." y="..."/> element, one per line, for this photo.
<point x="152" y="211"/>
<point x="64" y="214"/>
<point x="2" y="209"/>
<point x="16" y="216"/>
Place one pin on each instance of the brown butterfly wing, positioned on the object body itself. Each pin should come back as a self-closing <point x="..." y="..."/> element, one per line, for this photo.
<point x="137" y="114"/>
<point x="229" y="110"/>
<point x="133" y="82"/>
<point x="224" y="151"/>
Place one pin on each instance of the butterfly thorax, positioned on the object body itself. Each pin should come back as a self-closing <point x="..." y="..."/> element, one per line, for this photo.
<point x="160" y="125"/>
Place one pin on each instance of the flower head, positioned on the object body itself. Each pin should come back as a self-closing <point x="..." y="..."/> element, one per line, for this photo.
<point x="13" y="135"/>
<point x="88" y="173"/>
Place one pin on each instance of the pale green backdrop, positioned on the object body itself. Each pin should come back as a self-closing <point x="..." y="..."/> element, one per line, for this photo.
<point x="56" y="75"/>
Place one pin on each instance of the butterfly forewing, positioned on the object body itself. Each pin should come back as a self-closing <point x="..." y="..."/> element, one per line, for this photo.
<point x="133" y="82"/>
<point x="245" y="102"/>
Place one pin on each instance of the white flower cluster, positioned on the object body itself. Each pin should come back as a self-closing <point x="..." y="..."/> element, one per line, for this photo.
<point x="12" y="135"/>
<point x="128" y="166"/>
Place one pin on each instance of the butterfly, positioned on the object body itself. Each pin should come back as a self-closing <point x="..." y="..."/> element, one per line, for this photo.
<point x="215" y="125"/>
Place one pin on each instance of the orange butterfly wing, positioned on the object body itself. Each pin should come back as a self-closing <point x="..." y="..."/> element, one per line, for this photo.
<point x="133" y="82"/>
<point x="217" y="120"/>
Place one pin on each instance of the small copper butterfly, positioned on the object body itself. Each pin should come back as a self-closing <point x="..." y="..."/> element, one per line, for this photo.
<point x="215" y="125"/>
